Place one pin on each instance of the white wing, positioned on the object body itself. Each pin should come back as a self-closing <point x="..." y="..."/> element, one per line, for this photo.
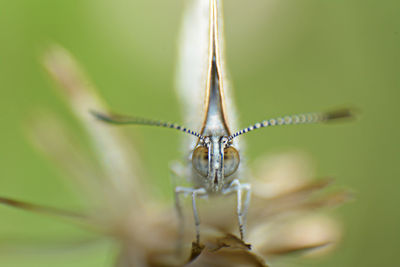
<point x="193" y="64"/>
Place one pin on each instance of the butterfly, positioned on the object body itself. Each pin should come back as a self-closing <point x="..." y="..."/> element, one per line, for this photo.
<point x="214" y="155"/>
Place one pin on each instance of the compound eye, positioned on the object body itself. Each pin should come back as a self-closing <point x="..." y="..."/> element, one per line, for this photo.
<point x="231" y="160"/>
<point x="200" y="160"/>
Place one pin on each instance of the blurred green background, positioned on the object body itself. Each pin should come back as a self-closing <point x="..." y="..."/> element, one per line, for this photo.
<point x="283" y="57"/>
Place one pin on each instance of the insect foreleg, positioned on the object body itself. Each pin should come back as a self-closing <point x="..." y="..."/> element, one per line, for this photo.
<point x="194" y="194"/>
<point x="241" y="206"/>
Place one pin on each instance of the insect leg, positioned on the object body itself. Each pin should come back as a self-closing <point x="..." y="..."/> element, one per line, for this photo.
<point x="194" y="194"/>
<point x="247" y="189"/>
<point x="241" y="207"/>
<point x="181" y="219"/>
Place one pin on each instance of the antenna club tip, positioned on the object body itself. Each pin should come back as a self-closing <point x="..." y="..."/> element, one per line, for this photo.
<point x="344" y="113"/>
<point x="93" y="112"/>
<point x="98" y="115"/>
<point x="104" y="117"/>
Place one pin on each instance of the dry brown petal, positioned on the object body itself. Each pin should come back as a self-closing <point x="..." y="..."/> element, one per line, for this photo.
<point x="308" y="234"/>
<point x="227" y="250"/>
<point x="57" y="143"/>
<point x="280" y="174"/>
<point x="119" y="163"/>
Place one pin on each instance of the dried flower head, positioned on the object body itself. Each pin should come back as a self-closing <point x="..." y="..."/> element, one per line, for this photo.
<point x="282" y="218"/>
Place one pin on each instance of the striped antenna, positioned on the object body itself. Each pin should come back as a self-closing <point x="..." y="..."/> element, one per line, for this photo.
<point x="304" y="118"/>
<point x="121" y="120"/>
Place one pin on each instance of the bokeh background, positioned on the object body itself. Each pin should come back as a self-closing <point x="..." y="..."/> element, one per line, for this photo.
<point x="283" y="56"/>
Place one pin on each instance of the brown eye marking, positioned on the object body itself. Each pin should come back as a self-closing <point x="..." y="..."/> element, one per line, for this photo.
<point x="200" y="160"/>
<point x="231" y="160"/>
<point x="228" y="153"/>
